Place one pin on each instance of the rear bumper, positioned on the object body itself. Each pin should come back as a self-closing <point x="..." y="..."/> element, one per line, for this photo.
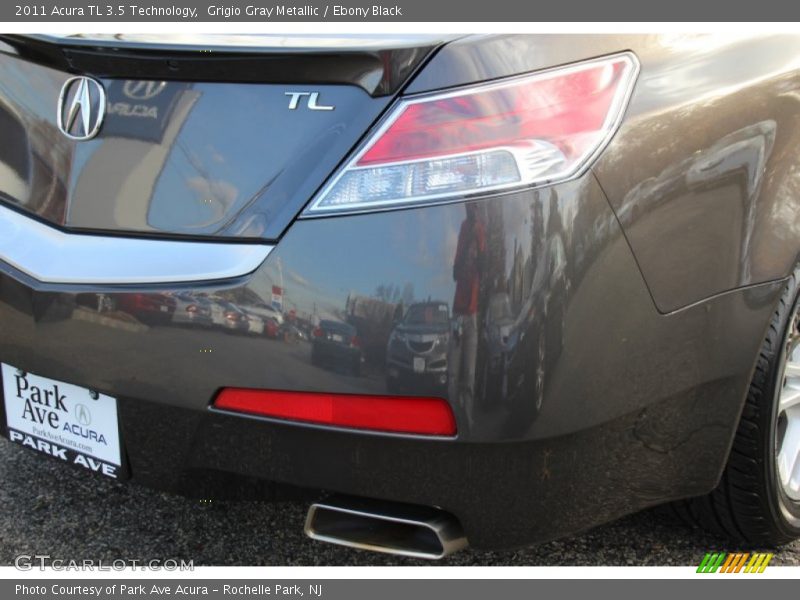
<point x="605" y="406"/>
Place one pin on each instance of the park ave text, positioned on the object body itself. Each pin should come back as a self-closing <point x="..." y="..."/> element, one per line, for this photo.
<point x="252" y="11"/>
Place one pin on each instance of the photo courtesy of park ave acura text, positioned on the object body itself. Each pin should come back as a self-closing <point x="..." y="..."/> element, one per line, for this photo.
<point x="395" y="298"/>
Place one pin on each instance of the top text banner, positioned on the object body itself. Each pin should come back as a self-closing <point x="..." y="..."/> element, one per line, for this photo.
<point x="255" y="11"/>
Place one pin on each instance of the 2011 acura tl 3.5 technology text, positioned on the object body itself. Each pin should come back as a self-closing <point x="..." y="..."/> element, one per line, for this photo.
<point x="488" y="289"/>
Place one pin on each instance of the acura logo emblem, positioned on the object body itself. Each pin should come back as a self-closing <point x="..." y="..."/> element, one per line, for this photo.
<point x="81" y="108"/>
<point x="82" y="415"/>
<point x="143" y="90"/>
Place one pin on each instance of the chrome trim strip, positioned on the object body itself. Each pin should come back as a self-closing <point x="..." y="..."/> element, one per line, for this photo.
<point x="53" y="256"/>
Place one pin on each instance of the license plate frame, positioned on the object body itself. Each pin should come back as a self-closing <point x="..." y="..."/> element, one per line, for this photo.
<point x="62" y="420"/>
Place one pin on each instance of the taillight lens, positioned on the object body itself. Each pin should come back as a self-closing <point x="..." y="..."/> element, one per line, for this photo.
<point x="524" y="131"/>
<point x="411" y="415"/>
<point x="192" y="308"/>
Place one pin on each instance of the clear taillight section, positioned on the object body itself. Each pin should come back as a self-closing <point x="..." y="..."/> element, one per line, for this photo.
<point x="525" y="131"/>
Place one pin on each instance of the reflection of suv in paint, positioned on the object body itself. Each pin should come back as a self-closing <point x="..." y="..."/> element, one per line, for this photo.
<point x="500" y="338"/>
<point x="417" y="349"/>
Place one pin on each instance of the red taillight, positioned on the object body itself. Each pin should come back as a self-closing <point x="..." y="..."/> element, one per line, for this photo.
<point x="528" y="130"/>
<point x="192" y="308"/>
<point x="355" y="342"/>
<point x="422" y="416"/>
<point x="565" y="110"/>
<point x="318" y="332"/>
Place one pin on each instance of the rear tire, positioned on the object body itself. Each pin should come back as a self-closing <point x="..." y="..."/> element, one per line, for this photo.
<point x="753" y="503"/>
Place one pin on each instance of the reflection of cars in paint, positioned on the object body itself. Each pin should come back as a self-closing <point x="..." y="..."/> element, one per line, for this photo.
<point x="271" y="328"/>
<point x="234" y="318"/>
<point x="336" y="344"/>
<point x="653" y="292"/>
<point x="150" y="309"/>
<point x="417" y="349"/>
<point x="192" y="310"/>
<point x="217" y="309"/>
<point x="255" y="323"/>
<point x="265" y="311"/>
<point x="500" y="336"/>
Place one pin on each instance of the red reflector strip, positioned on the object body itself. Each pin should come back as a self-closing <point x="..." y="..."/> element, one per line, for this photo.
<point x="423" y="416"/>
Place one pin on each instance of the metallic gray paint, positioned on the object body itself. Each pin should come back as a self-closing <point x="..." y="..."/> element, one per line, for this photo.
<point x="629" y="339"/>
<point x="649" y="417"/>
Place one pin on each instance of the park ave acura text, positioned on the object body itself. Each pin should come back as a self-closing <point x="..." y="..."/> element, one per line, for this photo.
<point x="484" y="290"/>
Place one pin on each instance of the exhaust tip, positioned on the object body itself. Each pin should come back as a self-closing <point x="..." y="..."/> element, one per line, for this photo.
<point x="402" y="530"/>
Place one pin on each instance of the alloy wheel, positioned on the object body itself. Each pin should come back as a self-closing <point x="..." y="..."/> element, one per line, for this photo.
<point x="788" y="438"/>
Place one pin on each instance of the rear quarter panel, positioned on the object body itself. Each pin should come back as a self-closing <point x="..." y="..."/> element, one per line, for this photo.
<point x="703" y="173"/>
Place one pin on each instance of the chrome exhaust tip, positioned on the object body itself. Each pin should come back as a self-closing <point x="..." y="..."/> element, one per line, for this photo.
<point x="399" y="529"/>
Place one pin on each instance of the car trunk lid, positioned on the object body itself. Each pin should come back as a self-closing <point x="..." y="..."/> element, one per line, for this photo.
<point x="221" y="136"/>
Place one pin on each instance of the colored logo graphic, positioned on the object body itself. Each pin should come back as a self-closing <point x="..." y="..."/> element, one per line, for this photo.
<point x="737" y="562"/>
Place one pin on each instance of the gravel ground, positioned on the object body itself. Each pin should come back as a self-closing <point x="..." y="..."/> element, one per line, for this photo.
<point x="49" y="509"/>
